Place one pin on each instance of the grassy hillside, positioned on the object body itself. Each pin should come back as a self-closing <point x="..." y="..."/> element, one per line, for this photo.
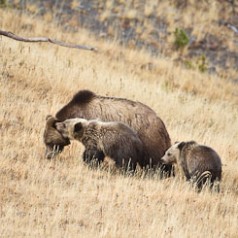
<point x="206" y="31"/>
<point x="63" y="197"/>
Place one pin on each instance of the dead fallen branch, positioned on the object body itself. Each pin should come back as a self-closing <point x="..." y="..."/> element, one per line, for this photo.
<point x="45" y="39"/>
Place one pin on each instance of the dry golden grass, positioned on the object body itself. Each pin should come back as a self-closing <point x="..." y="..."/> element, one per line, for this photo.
<point x="63" y="197"/>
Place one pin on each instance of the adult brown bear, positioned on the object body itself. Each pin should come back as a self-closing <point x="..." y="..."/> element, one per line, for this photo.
<point x="86" y="104"/>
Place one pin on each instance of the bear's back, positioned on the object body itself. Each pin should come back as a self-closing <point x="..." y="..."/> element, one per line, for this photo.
<point x="141" y="118"/>
<point x="202" y="158"/>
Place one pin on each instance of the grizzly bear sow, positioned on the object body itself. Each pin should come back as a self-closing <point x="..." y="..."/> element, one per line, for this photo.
<point x="142" y="119"/>
<point x="199" y="163"/>
<point x="53" y="140"/>
<point x="113" y="139"/>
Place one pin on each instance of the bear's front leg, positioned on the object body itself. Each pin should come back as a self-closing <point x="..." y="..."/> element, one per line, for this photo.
<point x="91" y="155"/>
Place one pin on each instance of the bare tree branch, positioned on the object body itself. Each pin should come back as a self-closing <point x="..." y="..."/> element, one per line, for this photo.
<point x="45" y="39"/>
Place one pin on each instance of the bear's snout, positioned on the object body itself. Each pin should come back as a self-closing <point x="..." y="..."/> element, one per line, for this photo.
<point x="163" y="159"/>
<point x="60" y="126"/>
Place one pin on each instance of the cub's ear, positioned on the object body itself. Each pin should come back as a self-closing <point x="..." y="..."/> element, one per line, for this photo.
<point x="78" y="127"/>
<point x="181" y="145"/>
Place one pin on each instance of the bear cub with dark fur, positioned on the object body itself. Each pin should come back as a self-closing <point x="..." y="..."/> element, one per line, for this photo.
<point x="198" y="163"/>
<point x="112" y="139"/>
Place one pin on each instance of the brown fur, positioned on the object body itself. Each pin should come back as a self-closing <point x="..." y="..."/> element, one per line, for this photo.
<point x="115" y="139"/>
<point x="150" y="128"/>
<point x="196" y="162"/>
<point x="53" y="140"/>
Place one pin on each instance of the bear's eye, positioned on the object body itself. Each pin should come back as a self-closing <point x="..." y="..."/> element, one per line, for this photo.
<point x="169" y="154"/>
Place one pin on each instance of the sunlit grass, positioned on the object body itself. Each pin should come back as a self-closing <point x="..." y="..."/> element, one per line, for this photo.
<point x="65" y="198"/>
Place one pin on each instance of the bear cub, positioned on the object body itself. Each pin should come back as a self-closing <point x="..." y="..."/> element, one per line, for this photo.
<point x="112" y="139"/>
<point x="198" y="163"/>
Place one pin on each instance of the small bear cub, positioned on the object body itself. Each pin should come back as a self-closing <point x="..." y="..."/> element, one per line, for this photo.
<point x="112" y="139"/>
<point x="198" y="163"/>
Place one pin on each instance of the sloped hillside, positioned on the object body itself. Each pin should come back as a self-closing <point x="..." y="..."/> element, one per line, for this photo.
<point x="200" y="35"/>
<point x="65" y="198"/>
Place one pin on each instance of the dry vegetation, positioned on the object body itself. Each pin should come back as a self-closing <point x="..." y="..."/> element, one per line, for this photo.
<point x="63" y="197"/>
<point x="212" y="45"/>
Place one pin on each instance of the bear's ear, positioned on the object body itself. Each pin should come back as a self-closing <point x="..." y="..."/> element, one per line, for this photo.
<point x="78" y="127"/>
<point x="181" y="145"/>
<point x="50" y="121"/>
<point x="48" y="117"/>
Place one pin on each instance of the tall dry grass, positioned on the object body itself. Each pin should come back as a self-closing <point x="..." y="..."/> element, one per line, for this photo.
<point x="63" y="197"/>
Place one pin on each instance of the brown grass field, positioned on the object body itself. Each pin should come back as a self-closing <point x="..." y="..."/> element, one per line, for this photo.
<point x="65" y="198"/>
